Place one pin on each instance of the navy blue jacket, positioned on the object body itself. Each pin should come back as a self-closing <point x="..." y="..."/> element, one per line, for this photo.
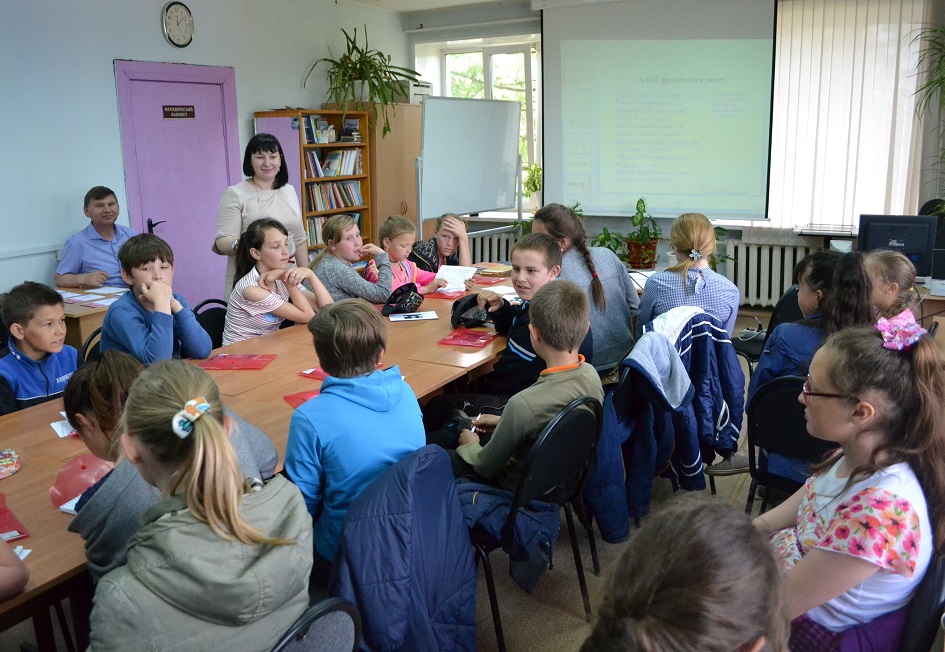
<point x="25" y="382"/>
<point x="405" y="559"/>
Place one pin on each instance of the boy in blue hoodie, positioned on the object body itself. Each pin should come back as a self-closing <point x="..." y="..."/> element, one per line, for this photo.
<point x="149" y="321"/>
<point x="363" y="421"/>
<point x="35" y="363"/>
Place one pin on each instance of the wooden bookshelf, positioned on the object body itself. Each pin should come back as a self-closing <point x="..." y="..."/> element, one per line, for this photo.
<point x="322" y="193"/>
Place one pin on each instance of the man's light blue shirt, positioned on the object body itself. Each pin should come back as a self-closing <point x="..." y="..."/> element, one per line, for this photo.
<point x="87" y="251"/>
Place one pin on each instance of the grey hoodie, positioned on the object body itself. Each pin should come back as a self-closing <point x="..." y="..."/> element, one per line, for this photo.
<point x="185" y="588"/>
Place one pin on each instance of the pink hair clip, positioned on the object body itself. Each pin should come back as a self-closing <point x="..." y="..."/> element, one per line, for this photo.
<point x="899" y="337"/>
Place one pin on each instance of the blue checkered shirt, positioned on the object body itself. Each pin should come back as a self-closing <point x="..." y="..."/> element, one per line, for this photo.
<point x="708" y="290"/>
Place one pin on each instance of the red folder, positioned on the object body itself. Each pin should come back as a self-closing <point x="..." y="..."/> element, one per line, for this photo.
<point x="234" y="361"/>
<point x="465" y="337"/>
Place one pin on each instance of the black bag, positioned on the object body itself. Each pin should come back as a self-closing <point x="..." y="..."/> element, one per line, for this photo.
<point x="466" y="312"/>
<point x="403" y="299"/>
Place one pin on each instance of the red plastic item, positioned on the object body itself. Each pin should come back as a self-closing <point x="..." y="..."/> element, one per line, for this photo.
<point x="462" y="336"/>
<point x="320" y="374"/>
<point x="76" y="476"/>
<point x="298" y="398"/>
<point x="440" y="294"/>
<point x="489" y="280"/>
<point x="234" y="361"/>
<point x="10" y="526"/>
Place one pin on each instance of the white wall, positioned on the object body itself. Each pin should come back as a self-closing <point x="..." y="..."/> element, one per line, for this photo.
<point x="59" y="110"/>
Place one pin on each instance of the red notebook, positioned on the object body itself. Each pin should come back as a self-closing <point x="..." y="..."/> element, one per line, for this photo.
<point x="10" y="526"/>
<point x="320" y="374"/>
<point x="298" y="398"/>
<point x="234" y="361"/>
<point x="440" y="294"/>
<point x="465" y="337"/>
<point x="489" y="280"/>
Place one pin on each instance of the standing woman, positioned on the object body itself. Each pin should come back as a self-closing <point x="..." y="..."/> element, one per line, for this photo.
<point x="266" y="193"/>
<point x="690" y="282"/>
<point x="600" y="273"/>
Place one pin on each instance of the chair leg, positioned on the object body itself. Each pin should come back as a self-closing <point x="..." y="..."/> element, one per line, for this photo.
<point x="493" y="600"/>
<point x="64" y="627"/>
<point x="593" y="541"/>
<point x="764" y="502"/>
<point x="712" y="484"/>
<point x="578" y="565"/>
<point x="751" y="497"/>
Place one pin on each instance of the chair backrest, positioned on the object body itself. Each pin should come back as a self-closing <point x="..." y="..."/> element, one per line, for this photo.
<point x="331" y="625"/>
<point x="933" y="329"/>
<point x="561" y="456"/>
<point x="785" y="310"/>
<point x="91" y="348"/>
<point x="211" y="315"/>
<point x="925" y="610"/>
<point x="776" y="423"/>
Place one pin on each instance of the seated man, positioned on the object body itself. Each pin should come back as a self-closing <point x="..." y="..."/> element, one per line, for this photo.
<point x="90" y="257"/>
<point x="560" y="318"/>
<point x="36" y="364"/>
<point x="362" y="422"/>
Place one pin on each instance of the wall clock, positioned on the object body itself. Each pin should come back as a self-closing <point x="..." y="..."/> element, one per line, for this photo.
<point x="178" y="24"/>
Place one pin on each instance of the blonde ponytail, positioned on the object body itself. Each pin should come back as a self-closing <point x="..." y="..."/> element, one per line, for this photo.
<point x="201" y="465"/>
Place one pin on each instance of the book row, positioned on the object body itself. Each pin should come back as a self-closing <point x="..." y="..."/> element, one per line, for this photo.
<point x="338" y="163"/>
<point x="332" y="195"/>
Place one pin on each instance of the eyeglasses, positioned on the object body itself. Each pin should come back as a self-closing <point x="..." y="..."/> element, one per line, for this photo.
<point x="805" y="390"/>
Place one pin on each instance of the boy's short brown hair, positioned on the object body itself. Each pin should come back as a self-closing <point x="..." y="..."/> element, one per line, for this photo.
<point x="20" y="304"/>
<point x="560" y="313"/>
<point x="349" y="336"/>
<point x="543" y="244"/>
<point x="143" y="248"/>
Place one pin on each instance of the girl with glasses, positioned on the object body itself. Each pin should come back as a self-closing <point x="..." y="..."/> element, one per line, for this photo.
<point x="857" y="539"/>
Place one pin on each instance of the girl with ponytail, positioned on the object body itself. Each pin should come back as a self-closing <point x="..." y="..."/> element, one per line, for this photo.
<point x="857" y="539"/>
<point x="598" y="271"/>
<point x="691" y="281"/>
<point x="223" y="560"/>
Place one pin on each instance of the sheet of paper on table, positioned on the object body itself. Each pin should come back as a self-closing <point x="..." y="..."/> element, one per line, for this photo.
<point x="101" y="302"/>
<point x="503" y="289"/>
<point x="111" y="290"/>
<point x="62" y="428"/>
<point x="455" y="276"/>
<point x="84" y="298"/>
<point x="414" y="316"/>
<point x="69" y="295"/>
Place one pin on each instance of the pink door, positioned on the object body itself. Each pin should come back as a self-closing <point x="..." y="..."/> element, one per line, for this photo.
<point x="180" y="141"/>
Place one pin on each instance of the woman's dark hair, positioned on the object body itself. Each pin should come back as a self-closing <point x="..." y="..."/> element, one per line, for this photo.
<point x="697" y="577"/>
<point x="911" y="384"/>
<point x="562" y="222"/>
<point x="845" y="285"/>
<point x="265" y="143"/>
<point x="253" y="238"/>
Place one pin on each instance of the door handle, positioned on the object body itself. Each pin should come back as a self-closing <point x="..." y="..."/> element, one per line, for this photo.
<point x="152" y="224"/>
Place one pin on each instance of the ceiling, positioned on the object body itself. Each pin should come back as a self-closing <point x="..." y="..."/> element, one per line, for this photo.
<point x="405" y="6"/>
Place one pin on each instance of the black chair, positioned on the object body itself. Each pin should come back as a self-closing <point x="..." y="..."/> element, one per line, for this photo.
<point x="212" y="319"/>
<point x="776" y="423"/>
<point x="330" y="625"/>
<point x="925" y="609"/>
<point x="785" y="310"/>
<point x="555" y="471"/>
<point x="933" y="329"/>
<point x="91" y="349"/>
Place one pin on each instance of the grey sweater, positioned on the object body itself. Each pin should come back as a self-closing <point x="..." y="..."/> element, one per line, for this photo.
<point x="343" y="282"/>
<point x="111" y="516"/>
<point x="613" y="337"/>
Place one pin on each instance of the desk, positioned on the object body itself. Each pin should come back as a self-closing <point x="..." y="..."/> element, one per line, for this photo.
<point x="81" y="321"/>
<point x="57" y="563"/>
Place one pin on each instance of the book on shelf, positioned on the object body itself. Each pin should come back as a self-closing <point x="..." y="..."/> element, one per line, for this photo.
<point x="308" y="127"/>
<point x="331" y="166"/>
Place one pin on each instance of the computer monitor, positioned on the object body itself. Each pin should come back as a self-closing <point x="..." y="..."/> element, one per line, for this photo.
<point x="911" y="235"/>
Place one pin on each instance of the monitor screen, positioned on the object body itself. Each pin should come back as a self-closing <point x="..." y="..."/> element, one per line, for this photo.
<point x="911" y="235"/>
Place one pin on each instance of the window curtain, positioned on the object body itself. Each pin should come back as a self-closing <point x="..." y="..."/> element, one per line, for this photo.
<point x="845" y="136"/>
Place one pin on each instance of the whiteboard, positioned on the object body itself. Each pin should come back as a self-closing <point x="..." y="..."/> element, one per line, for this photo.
<point x="469" y="156"/>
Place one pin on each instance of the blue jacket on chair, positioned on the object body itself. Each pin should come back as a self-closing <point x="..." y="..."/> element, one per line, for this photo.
<point x="405" y="559"/>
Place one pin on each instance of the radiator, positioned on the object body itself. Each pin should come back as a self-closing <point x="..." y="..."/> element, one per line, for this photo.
<point x="762" y="272"/>
<point x="492" y="247"/>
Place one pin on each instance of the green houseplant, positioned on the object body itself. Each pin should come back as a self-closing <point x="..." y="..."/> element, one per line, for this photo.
<point x="931" y="92"/>
<point x="364" y="76"/>
<point x="641" y="242"/>
<point x="531" y="183"/>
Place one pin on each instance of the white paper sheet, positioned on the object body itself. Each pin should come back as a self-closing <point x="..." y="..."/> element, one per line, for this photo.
<point x="455" y="276"/>
<point x="69" y="295"/>
<point x="69" y="507"/>
<point x="414" y="316"/>
<point x="111" y="290"/>
<point x="62" y="428"/>
<point x="101" y="301"/>
<point x="502" y="289"/>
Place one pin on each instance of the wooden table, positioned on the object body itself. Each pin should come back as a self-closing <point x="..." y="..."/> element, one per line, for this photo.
<point x="81" y="321"/>
<point x="57" y="563"/>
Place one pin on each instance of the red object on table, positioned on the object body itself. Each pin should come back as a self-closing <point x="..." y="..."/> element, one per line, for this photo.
<point x="462" y="336"/>
<point x="298" y="398"/>
<point x="234" y="361"/>
<point x="9" y="523"/>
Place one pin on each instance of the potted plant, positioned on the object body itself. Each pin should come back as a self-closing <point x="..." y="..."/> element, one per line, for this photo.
<point x="715" y="258"/>
<point x="616" y="242"/>
<point x="641" y="242"/>
<point x="931" y="92"/>
<point x="531" y="183"/>
<point x="364" y="76"/>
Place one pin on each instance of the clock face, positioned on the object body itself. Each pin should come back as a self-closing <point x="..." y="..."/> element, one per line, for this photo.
<point x="178" y="24"/>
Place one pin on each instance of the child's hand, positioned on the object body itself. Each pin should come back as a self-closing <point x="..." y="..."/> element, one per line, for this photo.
<point x="455" y="227"/>
<point x="486" y="423"/>
<point x="469" y="284"/>
<point x="493" y="300"/>
<point x="467" y="437"/>
<point x="296" y="275"/>
<point x="370" y="249"/>
<point x="157" y="294"/>
<point x="267" y="280"/>
<point x="434" y="285"/>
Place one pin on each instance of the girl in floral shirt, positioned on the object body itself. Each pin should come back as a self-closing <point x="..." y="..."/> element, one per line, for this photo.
<point x="856" y="540"/>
